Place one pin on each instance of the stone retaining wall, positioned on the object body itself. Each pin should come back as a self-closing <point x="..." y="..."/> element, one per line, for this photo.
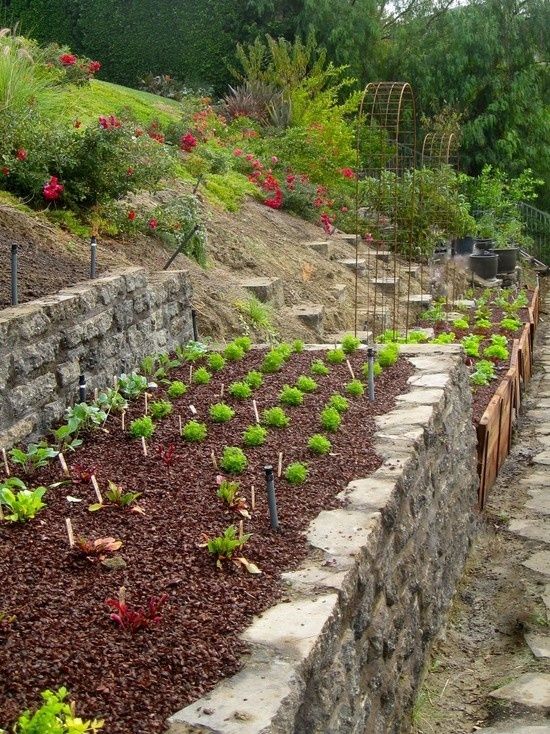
<point x="98" y="328"/>
<point x="343" y="653"/>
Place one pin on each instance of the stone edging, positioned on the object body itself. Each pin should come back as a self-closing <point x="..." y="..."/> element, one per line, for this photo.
<point x="343" y="653"/>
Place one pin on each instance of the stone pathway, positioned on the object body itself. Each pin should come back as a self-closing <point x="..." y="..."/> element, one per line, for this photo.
<point x="490" y="671"/>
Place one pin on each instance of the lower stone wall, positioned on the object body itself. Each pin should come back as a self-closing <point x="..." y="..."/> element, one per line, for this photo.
<point x="343" y="653"/>
<point x="98" y="328"/>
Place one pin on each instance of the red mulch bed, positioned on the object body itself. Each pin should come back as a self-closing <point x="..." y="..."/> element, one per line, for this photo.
<point x="63" y="634"/>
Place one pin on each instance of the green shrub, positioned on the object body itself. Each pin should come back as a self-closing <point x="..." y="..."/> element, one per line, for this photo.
<point x="306" y="384"/>
<point x="55" y="716"/>
<point x="319" y="444"/>
<point x="254" y="436"/>
<point x="275" y="418"/>
<point x="233" y="352"/>
<point x="460" y="324"/>
<point x="241" y="390"/>
<point x="233" y="460"/>
<point x="273" y="361"/>
<point x="388" y="355"/>
<point x="160" y="409"/>
<point x="202" y="376"/>
<point x="296" y="473"/>
<point x="221" y="413"/>
<point x="470" y="344"/>
<point x="254" y="379"/>
<point x="244" y="342"/>
<point x="297" y="346"/>
<point x="510" y="324"/>
<point x="216" y="362"/>
<point x="291" y="396"/>
<point x="330" y="419"/>
<point x="285" y="350"/>
<point x="318" y="367"/>
<point x="338" y="402"/>
<point x="355" y="387"/>
<point x="176" y="389"/>
<point x="335" y="356"/>
<point x="194" y="431"/>
<point x="446" y="337"/>
<point x="142" y="427"/>
<point x="350" y="344"/>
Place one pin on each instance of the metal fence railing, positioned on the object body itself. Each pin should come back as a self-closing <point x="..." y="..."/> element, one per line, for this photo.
<point x="537" y="226"/>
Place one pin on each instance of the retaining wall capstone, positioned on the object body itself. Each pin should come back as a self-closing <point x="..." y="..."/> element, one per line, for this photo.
<point x="344" y="651"/>
<point x="98" y="328"/>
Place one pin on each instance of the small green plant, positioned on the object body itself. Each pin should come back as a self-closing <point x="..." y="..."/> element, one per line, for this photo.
<point x="191" y="351"/>
<point x="159" y="409"/>
<point x="254" y="379"/>
<point x="224" y="546"/>
<point x="416" y="337"/>
<point x="233" y="352"/>
<point x="306" y="384"/>
<point x="338" y="402"/>
<point x="319" y="444"/>
<point x="55" y="716"/>
<point x="273" y="361"/>
<point x="194" y="431"/>
<point x="355" y="388"/>
<point x="446" y="337"/>
<point x="291" y="396"/>
<point x="484" y="373"/>
<point x="132" y="385"/>
<point x="83" y="417"/>
<point x="330" y="419"/>
<point x="275" y="418"/>
<point x="483" y="323"/>
<point x="35" y="457"/>
<point x="23" y="503"/>
<point x="221" y="413"/>
<point x="244" y="342"/>
<point x="176" y="389"/>
<point x="216" y="362"/>
<point x="117" y="496"/>
<point x="350" y="343"/>
<point x="388" y="355"/>
<point x="510" y="324"/>
<point x="471" y="344"/>
<point x="233" y="460"/>
<point x="498" y="349"/>
<point x="202" y="376"/>
<point x="111" y="401"/>
<point x="461" y="324"/>
<point x="256" y="316"/>
<point x="297" y="346"/>
<point x="241" y="390"/>
<point x="285" y="350"/>
<point x="318" y="367"/>
<point x="376" y="369"/>
<point x="335" y="356"/>
<point x="296" y="473"/>
<point x="254" y="436"/>
<point x="435" y="313"/>
<point x="389" y="336"/>
<point x="142" y="427"/>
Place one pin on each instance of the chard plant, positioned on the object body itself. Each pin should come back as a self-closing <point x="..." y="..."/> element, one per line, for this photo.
<point x="96" y="550"/>
<point x="167" y="454"/>
<point x="229" y="493"/>
<point x="23" y="504"/>
<point x="131" y="619"/>
<point x="223" y="547"/>
<point x="83" y="417"/>
<point x="37" y="456"/>
<point x="117" y="496"/>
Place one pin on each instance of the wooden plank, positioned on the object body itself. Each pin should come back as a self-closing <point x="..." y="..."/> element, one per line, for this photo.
<point x="491" y="420"/>
<point x="505" y="428"/>
<point x="535" y="304"/>
<point x="481" y="462"/>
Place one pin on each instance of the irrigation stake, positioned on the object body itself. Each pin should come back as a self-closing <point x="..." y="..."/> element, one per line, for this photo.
<point x="6" y="465"/>
<point x="241" y="529"/>
<point x="82" y="389"/>
<point x="271" y="499"/>
<point x="194" y="322"/>
<point x="96" y="489"/>
<point x="252" y="497"/>
<point x="350" y="369"/>
<point x="255" y="406"/>
<point x="213" y="457"/>
<point x="70" y="533"/>
<point x="280" y="465"/>
<point x="93" y="251"/>
<point x="144" y="445"/>
<point x="63" y="463"/>
<point x="370" y="378"/>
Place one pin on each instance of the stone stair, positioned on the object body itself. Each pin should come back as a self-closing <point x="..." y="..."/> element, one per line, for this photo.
<point x="311" y="315"/>
<point x="321" y="247"/>
<point x="351" y="264"/>
<point x="387" y="286"/>
<point x="266" y="290"/>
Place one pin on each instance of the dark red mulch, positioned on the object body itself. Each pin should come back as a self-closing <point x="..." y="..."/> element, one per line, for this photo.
<point x="63" y="634"/>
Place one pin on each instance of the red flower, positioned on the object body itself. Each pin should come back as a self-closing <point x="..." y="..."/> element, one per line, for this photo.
<point x="138" y="132"/>
<point x="109" y="123"/>
<point x="67" y="59"/>
<point x="5" y="171"/>
<point x="368" y="237"/>
<point x="153" y="223"/>
<point x="21" y="154"/>
<point x="344" y="209"/>
<point x="94" y="67"/>
<point x="52" y="189"/>
<point x="274" y="160"/>
<point x="188" y="142"/>
<point x="347" y="172"/>
<point x="77" y="124"/>
<point x="276" y="202"/>
<point x="249" y="156"/>
<point x="130" y="171"/>
<point x="131" y="215"/>
<point x="237" y="152"/>
<point x="326" y="221"/>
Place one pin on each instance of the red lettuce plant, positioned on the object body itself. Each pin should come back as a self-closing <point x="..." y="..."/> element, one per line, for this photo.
<point x="132" y="620"/>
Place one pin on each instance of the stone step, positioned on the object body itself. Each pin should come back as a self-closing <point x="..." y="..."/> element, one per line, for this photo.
<point x="464" y="303"/>
<point x="379" y="319"/>
<point x="537" y="529"/>
<point x="530" y="689"/>
<point x="322" y="247"/>
<point x="339" y="291"/>
<point x="311" y="315"/>
<point x="539" y="645"/>
<point x="386" y="285"/>
<point x="348" y="238"/>
<point x="421" y="299"/>
<point x="266" y="290"/>
<point x="350" y="263"/>
<point x="516" y="727"/>
<point x="414" y="270"/>
<point x="382" y="255"/>
<point x="540" y="563"/>
<point x="364" y="336"/>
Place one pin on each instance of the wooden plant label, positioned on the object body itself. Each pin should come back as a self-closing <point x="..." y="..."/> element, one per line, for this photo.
<point x="179" y="423"/>
<point x="123" y="420"/>
<point x="6" y="465"/>
<point x="144" y="445"/>
<point x="96" y="489"/>
<point x="350" y="368"/>
<point x="146" y="396"/>
<point x="63" y="463"/>
<point x="256" y="415"/>
<point x="96" y="393"/>
<point x="213" y="457"/>
<point x="221" y="390"/>
<point x="70" y="533"/>
<point x="252" y="497"/>
<point x="280" y="464"/>
<point x="241" y="529"/>
<point x="193" y="409"/>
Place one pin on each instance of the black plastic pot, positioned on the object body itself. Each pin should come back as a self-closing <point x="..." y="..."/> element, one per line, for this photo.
<point x="483" y="245"/>
<point x="464" y="246"/>
<point x="507" y="259"/>
<point x="485" y="266"/>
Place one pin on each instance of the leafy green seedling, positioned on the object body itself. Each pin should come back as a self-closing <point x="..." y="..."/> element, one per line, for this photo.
<point x="176" y="389"/>
<point x="35" y="457"/>
<point x="275" y="418"/>
<point x="132" y="385"/>
<point x="338" y="402"/>
<point x="241" y="390"/>
<point x="306" y="384"/>
<point x="335" y="356"/>
<point x="291" y="396"/>
<point x="159" y="409"/>
<point x="330" y="419"/>
<point x="254" y="436"/>
<point x="296" y="473"/>
<point x="202" y="376"/>
<point x="233" y="352"/>
<point x="350" y="343"/>
<point x="221" y="413"/>
<point x="254" y="379"/>
<point x="297" y="346"/>
<point x="318" y="367"/>
<point x="216" y="362"/>
<point x="23" y="503"/>
<point x="319" y="444"/>
<point x="193" y="431"/>
<point x="142" y="427"/>
<point x="233" y="460"/>
<point x="273" y="361"/>
<point x="224" y="546"/>
<point x="244" y="342"/>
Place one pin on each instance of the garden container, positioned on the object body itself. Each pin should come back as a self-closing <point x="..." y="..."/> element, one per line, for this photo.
<point x="485" y="266"/>
<point x="483" y="245"/>
<point x="507" y="259"/>
<point x="464" y="246"/>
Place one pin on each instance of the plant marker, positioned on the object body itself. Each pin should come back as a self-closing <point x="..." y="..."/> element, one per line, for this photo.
<point x="115" y="382"/>
<point x="213" y="457"/>
<point x="252" y="497"/>
<point x="241" y="529"/>
<point x="63" y="463"/>
<point x="350" y="369"/>
<point x="256" y="415"/>
<point x="144" y="445"/>
<point x="1" y="513"/>
<point x="6" y="465"/>
<point x="280" y="465"/>
<point x="193" y="409"/>
<point x="221" y="391"/>
<point x="96" y="489"/>
<point x="145" y="395"/>
<point x="190" y="372"/>
<point x="96" y="393"/>
<point x="179" y="423"/>
<point x="70" y="533"/>
<point x="271" y="499"/>
<point x="122" y="420"/>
